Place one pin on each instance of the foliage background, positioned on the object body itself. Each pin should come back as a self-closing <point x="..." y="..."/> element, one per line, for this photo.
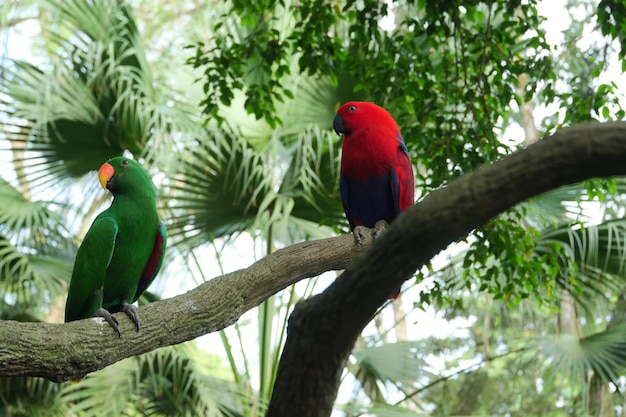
<point x="229" y="105"/>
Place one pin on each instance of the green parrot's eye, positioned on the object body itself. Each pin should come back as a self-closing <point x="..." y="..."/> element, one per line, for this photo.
<point x="125" y="162"/>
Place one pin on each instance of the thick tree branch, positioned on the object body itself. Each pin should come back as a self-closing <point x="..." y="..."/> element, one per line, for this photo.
<point x="64" y="351"/>
<point x="323" y="329"/>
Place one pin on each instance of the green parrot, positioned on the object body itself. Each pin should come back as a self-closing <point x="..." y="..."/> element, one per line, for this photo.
<point x="123" y="249"/>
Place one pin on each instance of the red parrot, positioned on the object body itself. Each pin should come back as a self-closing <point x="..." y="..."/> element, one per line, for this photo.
<point x="376" y="179"/>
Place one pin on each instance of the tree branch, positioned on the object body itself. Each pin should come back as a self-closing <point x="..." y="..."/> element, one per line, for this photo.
<point x="323" y="329"/>
<point x="65" y="351"/>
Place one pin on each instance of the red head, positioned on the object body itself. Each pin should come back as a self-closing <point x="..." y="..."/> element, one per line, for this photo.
<point x="355" y="117"/>
<point x="371" y="139"/>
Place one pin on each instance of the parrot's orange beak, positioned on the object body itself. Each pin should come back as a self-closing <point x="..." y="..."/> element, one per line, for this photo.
<point x="105" y="173"/>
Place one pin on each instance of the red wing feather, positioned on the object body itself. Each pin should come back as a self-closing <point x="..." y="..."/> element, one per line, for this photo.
<point x="154" y="262"/>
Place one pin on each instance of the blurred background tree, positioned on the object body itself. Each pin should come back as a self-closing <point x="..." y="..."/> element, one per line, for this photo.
<point x="229" y="105"/>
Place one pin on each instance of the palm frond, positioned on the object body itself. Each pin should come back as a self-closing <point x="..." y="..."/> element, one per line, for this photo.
<point x="575" y="203"/>
<point x="593" y="259"/>
<point x="18" y="214"/>
<point x="381" y="410"/>
<point x="315" y="102"/>
<point x="602" y="353"/>
<point x="400" y="363"/>
<point x="94" y="98"/>
<point x="167" y="382"/>
<point x="587" y="261"/>
<point x="34" y="263"/>
<point x="306" y="204"/>
<point x="30" y="278"/>
<point x="216" y="188"/>
<point x="312" y="179"/>
<point x="107" y="392"/>
<point x="557" y="206"/>
<point x="26" y="396"/>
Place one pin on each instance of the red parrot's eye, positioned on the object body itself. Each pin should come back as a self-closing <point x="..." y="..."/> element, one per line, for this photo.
<point x="351" y="109"/>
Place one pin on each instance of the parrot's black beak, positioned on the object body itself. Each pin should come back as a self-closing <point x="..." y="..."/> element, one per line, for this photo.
<point x="338" y="125"/>
<point x="111" y="184"/>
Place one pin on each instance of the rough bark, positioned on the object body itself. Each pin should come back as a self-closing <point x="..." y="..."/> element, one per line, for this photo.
<point x="66" y="351"/>
<point x="322" y="330"/>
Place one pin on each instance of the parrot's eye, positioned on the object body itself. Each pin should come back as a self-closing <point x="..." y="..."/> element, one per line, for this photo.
<point x="125" y="162"/>
<point x="352" y="109"/>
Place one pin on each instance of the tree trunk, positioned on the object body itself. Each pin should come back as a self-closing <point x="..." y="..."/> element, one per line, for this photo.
<point x="323" y="329"/>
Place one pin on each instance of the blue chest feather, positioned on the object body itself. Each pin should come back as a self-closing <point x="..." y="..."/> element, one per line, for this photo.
<point x="368" y="201"/>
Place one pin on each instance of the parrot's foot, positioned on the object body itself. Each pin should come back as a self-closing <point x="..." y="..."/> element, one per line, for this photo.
<point x="131" y="311"/>
<point x="379" y="227"/>
<point x="359" y="231"/>
<point x="110" y="318"/>
<point x="359" y="234"/>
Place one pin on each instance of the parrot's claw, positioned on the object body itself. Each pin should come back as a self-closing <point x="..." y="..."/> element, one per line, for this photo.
<point x="131" y="311"/>
<point x="359" y="234"/>
<point x="379" y="227"/>
<point x="109" y="318"/>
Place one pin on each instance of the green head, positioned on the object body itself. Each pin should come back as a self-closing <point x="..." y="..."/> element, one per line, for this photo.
<point x="122" y="175"/>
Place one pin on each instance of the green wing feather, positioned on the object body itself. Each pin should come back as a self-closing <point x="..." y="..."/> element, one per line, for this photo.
<point x="92" y="260"/>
